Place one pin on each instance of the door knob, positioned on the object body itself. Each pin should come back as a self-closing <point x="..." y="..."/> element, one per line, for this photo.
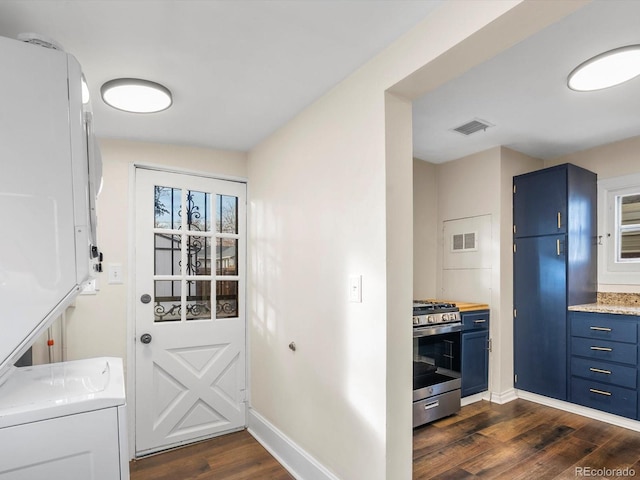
<point x="145" y="338"/>
<point x="146" y="298"/>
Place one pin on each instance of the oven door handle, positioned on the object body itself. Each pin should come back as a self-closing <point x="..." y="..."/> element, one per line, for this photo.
<point x="435" y="404"/>
<point x="427" y="331"/>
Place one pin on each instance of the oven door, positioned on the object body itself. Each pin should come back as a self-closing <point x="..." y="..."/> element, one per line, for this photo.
<point x="436" y="362"/>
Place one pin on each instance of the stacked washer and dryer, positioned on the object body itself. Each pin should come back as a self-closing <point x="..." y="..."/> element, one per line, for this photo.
<point x="66" y="420"/>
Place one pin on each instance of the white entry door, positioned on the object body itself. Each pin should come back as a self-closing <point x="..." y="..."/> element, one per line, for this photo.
<point x="190" y="319"/>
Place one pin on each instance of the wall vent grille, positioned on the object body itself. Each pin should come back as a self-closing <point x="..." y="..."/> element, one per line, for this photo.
<point x="463" y="242"/>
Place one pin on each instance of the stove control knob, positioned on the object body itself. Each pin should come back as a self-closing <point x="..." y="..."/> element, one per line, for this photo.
<point x="416" y="320"/>
<point x="431" y="319"/>
<point x="445" y="317"/>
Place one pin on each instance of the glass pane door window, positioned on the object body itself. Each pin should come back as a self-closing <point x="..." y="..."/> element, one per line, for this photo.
<point x="190" y="227"/>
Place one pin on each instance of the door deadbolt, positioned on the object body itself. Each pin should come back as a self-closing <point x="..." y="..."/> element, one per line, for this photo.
<point x="145" y="338"/>
<point x="146" y="298"/>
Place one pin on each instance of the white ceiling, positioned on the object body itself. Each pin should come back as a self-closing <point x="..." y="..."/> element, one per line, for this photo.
<point x="238" y="69"/>
<point x="523" y="93"/>
<point x="241" y="69"/>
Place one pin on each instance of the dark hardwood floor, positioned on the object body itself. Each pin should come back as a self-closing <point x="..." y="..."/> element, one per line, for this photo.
<point x="517" y="440"/>
<point x="237" y="456"/>
<point x="522" y="440"/>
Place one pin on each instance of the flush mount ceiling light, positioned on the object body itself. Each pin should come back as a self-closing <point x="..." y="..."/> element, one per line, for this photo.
<point x="606" y="70"/>
<point x="136" y="95"/>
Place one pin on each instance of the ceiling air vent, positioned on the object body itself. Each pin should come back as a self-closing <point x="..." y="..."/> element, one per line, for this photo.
<point x="473" y="126"/>
<point x="40" y="40"/>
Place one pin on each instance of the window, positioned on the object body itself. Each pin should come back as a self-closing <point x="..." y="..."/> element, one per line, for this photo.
<point x="628" y="228"/>
<point x="619" y="230"/>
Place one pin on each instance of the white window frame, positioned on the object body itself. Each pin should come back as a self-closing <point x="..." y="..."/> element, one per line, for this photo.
<point x="610" y="269"/>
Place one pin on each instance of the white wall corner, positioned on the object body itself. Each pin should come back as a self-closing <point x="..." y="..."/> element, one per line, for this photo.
<point x="504" y="397"/>
<point x="290" y="455"/>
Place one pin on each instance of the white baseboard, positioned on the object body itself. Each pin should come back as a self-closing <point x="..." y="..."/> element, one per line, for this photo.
<point x="296" y="460"/>
<point x="500" y="398"/>
<point x="504" y="397"/>
<point x="580" y="410"/>
<point x="478" y="397"/>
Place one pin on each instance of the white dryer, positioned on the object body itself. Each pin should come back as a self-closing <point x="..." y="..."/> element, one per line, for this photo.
<point x="68" y="420"/>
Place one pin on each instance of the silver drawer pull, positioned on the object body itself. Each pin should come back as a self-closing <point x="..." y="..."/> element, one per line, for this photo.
<point x="602" y="349"/>
<point x="600" y="392"/>
<point x="432" y="405"/>
<point x="599" y="370"/>
<point x="600" y="329"/>
<point x="479" y="321"/>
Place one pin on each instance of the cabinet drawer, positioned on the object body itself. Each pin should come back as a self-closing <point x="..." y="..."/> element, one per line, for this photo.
<point x="433" y="408"/>
<point x="608" y="398"/>
<point x="604" y="372"/>
<point x="476" y="320"/>
<point x="605" y="350"/>
<point x="604" y="327"/>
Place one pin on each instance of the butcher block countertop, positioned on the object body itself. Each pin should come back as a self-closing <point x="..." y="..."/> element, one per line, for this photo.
<point x="471" y="307"/>
<point x="463" y="306"/>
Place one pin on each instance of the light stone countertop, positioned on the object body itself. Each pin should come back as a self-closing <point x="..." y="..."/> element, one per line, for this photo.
<point x="617" y="303"/>
<point x="604" y="308"/>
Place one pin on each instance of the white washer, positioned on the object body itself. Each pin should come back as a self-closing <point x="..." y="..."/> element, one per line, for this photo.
<point x="64" y="421"/>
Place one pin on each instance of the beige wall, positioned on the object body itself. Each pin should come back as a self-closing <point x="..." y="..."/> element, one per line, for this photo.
<point x="608" y="161"/>
<point x="473" y="189"/>
<point x="97" y="325"/>
<point x="321" y="190"/>
<point x="488" y="189"/>
<point x="479" y="184"/>
<point x="425" y="229"/>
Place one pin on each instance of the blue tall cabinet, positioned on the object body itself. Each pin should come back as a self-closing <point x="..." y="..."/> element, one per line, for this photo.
<point x="554" y="251"/>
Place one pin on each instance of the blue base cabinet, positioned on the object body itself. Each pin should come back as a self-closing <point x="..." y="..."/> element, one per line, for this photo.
<point x="554" y="263"/>
<point x="475" y="352"/>
<point x="604" y="362"/>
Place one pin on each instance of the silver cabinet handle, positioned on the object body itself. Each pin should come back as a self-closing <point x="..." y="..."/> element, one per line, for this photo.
<point x="599" y="370"/>
<point x="432" y="405"/>
<point x="480" y="321"/>
<point x="600" y="392"/>
<point x="602" y="349"/>
<point x="600" y="329"/>
<point x="558" y="246"/>
<point x="559" y="220"/>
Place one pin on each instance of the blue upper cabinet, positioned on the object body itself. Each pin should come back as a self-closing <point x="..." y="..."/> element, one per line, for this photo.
<point x="540" y="202"/>
<point x="554" y="267"/>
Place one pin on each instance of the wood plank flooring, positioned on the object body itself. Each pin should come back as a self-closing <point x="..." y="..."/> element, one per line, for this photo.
<point x="522" y="440"/>
<point x="236" y="456"/>
<point x="519" y="440"/>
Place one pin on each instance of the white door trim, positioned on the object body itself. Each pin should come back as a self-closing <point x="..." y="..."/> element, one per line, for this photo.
<point x="131" y="291"/>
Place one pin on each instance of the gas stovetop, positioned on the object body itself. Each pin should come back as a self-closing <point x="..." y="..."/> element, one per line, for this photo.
<point x="426" y="312"/>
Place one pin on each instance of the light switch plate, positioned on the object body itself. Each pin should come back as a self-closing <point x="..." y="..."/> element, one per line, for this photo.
<point x="355" y="288"/>
<point x="115" y="274"/>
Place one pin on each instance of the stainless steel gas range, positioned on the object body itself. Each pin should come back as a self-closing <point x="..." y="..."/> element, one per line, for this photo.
<point x="436" y="360"/>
